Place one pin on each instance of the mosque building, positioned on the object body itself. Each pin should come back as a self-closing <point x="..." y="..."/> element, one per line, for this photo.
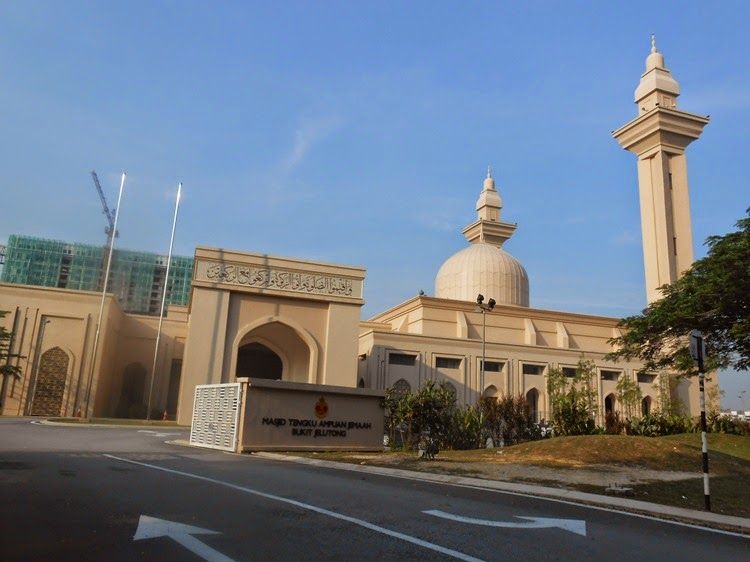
<point x="298" y="321"/>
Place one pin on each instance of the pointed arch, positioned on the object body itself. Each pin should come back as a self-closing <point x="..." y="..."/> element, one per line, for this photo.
<point x="609" y="404"/>
<point x="51" y="381"/>
<point x="297" y="328"/>
<point x="490" y="392"/>
<point x="132" y="392"/>
<point x="646" y="406"/>
<point x="532" y="400"/>
<point x="401" y="387"/>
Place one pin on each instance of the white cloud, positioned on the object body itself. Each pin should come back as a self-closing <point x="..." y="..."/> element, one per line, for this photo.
<point x="307" y="135"/>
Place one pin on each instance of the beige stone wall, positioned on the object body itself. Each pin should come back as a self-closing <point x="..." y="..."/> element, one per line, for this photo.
<point x="48" y="319"/>
<point x="135" y="345"/>
<point x="52" y="318"/>
<point x="428" y="328"/>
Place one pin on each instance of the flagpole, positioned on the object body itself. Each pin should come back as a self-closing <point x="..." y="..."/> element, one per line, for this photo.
<point x="104" y="295"/>
<point x="163" y="302"/>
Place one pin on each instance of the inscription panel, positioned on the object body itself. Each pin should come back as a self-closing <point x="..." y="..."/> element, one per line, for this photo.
<point x="278" y="279"/>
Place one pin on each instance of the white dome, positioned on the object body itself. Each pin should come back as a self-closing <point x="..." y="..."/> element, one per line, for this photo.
<point x="486" y="269"/>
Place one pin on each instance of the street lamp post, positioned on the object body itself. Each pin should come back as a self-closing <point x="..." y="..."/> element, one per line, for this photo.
<point x="484" y="308"/>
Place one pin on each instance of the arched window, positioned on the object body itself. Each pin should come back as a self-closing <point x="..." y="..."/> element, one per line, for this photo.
<point x="51" y="377"/>
<point x="401" y="387"/>
<point x="490" y="392"/>
<point x="646" y="406"/>
<point x="609" y="404"/>
<point x="532" y="400"/>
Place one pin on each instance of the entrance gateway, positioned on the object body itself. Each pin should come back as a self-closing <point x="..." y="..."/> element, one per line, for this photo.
<point x="281" y="337"/>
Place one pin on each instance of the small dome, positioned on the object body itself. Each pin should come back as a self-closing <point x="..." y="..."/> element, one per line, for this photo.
<point x="486" y="269"/>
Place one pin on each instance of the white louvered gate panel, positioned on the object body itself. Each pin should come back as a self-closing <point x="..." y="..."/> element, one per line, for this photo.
<point x="216" y="412"/>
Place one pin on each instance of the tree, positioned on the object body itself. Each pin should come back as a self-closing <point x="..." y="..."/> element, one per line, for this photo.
<point x="713" y="296"/>
<point x="573" y="399"/>
<point x="629" y="395"/>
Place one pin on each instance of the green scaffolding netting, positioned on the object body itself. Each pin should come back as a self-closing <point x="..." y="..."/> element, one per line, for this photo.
<point x="136" y="278"/>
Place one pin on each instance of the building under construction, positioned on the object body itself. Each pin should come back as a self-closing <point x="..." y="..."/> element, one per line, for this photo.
<point x="136" y="278"/>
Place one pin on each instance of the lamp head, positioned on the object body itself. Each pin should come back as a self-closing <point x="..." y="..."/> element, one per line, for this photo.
<point x="491" y="303"/>
<point x="480" y="298"/>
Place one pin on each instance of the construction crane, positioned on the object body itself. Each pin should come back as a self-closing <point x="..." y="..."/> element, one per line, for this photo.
<point x="109" y="213"/>
<point x="109" y="230"/>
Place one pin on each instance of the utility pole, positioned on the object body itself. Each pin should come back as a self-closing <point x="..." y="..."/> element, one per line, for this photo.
<point x="698" y="351"/>
<point x="484" y="308"/>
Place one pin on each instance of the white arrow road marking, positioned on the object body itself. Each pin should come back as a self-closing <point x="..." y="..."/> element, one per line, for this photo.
<point x="361" y="522"/>
<point x="573" y="525"/>
<point x="152" y="527"/>
<point x="156" y="433"/>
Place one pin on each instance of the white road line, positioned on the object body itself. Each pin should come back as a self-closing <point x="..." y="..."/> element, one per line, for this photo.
<point x="361" y="522"/>
<point x="576" y="526"/>
<point x="580" y="504"/>
<point x="153" y="527"/>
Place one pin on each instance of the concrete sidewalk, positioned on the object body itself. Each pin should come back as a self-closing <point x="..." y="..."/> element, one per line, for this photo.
<point x="710" y="520"/>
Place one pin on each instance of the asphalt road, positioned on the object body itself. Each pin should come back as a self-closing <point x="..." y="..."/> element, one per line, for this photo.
<point x="83" y="493"/>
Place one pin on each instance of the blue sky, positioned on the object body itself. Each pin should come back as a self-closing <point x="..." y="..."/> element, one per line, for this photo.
<point x="359" y="132"/>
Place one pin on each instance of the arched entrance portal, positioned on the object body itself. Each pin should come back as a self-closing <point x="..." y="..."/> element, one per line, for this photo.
<point x="258" y="361"/>
<point x="131" y="403"/>
<point x="277" y="351"/>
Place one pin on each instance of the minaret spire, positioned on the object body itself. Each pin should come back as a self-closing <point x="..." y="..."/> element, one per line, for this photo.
<point x="489" y="202"/>
<point x="488" y="227"/>
<point x="659" y="136"/>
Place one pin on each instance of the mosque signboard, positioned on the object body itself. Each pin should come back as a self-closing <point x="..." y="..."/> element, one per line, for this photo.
<point x="285" y="416"/>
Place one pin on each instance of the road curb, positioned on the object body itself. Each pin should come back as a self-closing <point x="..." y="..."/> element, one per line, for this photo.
<point x="112" y="425"/>
<point x="731" y="523"/>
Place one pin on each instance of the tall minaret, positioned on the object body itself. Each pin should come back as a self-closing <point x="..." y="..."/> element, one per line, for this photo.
<point x="659" y="136"/>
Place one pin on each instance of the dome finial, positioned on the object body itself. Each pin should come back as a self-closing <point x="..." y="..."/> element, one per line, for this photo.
<point x="489" y="172"/>
<point x="653" y="43"/>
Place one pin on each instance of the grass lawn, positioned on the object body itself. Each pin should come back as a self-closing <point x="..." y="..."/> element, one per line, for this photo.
<point x="729" y="465"/>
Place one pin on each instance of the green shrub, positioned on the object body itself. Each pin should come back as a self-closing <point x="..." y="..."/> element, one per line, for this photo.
<point x="430" y="415"/>
<point x="615" y="424"/>
<point x="427" y="412"/>
<point x="508" y="420"/>
<point x="661" y="423"/>
<point x="467" y="428"/>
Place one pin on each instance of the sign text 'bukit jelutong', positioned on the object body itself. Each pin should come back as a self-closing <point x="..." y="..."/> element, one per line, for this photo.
<point x="316" y="428"/>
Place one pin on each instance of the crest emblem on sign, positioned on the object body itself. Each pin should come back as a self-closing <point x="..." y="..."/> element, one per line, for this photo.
<point x="321" y="408"/>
